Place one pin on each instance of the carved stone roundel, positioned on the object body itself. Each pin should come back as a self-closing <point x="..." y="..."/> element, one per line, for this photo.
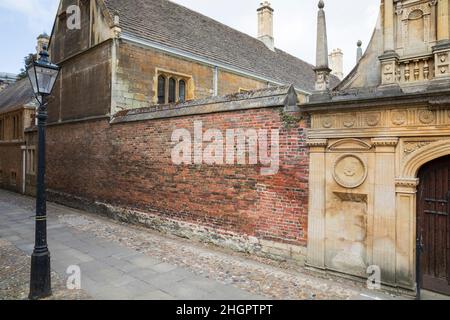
<point x="349" y="121"/>
<point x="350" y="171"/>
<point x="373" y="119"/>
<point x="399" y="118"/>
<point x="426" y="116"/>
<point x="327" y="122"/>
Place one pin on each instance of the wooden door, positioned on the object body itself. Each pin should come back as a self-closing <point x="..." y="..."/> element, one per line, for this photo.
<point x="433" y="225"/>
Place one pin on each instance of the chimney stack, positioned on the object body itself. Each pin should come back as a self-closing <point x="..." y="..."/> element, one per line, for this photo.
<point x="336" y="58"/>
<point x="265" y="25"/>
<point x="42" y="41"/>
<point x="322" y="70"/>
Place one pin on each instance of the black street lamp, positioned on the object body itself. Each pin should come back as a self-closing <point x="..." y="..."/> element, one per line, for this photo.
<point x="42" y="74"/>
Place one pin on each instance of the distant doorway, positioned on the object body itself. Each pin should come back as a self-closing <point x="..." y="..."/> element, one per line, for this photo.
<point x="433" y="225"/>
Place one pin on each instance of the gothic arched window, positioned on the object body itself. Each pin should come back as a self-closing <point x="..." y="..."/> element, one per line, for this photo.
<point x="172" y="90"/>
<point x="161" y="89"/>
<point x="182" y="91"/>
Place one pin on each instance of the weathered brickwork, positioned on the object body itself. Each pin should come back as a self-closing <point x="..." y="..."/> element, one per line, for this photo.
<point x="129" y="166"/>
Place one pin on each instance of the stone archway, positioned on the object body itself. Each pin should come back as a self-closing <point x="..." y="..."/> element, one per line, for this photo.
<point x="430" y="152"/>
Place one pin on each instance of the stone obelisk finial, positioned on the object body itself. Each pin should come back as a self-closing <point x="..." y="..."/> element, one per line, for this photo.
<point x="322" y="69"/>
<point x="359" y="52"/>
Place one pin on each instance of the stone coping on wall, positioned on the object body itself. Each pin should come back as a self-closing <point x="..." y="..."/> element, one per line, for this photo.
<point x="282" y="96"/>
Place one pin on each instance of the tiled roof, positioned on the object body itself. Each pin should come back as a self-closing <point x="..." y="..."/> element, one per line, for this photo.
<point x="16" y="95"/>
<point x="175" y="26"/>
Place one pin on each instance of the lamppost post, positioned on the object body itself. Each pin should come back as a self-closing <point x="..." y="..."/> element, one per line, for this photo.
<point x="42" y="75"/>
<point x="40" y="281"/>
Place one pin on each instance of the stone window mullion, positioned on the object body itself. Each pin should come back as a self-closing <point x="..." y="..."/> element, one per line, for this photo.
<point x="166" y="95"/>
<point x="177" y="89"/>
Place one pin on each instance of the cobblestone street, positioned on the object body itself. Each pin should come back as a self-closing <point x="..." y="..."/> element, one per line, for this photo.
<point x="119" y="261"/>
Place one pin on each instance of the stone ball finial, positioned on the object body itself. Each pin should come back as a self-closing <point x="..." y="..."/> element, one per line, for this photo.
<point x="359" y="43"/>
<point x="321" y="4"/>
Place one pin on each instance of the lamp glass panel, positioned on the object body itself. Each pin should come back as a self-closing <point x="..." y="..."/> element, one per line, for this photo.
<point x="46" y="79"/>
<point x="32" y="77"/>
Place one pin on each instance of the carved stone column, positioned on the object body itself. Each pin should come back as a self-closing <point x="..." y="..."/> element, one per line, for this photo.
<point x="406" y="189"/>
<point x="442" y="49"/>
<point x="389" y="25"/>
<point x="443" y="31"/>
<point x="316" y="216"/>
<point x="389" y="60"/>
<point x="384" y="231"/>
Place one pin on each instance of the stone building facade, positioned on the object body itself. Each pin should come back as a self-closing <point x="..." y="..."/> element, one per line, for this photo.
<point x="124" y="88"/>
<point x="362" y="183"/>
<point x="17" y="109"/>
<point x="379" y="146"/>
<point x="125" y="64"/>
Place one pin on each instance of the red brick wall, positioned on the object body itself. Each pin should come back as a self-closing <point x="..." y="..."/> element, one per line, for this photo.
<point x="130" y="165"/>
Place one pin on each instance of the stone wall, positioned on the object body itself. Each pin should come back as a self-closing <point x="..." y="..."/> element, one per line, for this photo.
<point x="137" y="72"/>
<point x="83" y="88"/>
<point x="11" y="161"/>
<point x="125" y="170"/>
<point x="65" y="42"/>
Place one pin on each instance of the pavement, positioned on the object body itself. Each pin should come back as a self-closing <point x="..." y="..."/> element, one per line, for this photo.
<point x="123" y="262"/>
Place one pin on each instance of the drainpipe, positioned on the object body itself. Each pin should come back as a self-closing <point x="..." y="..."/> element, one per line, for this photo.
<point x="24" y="167"/>
<point x="216" y="81"/>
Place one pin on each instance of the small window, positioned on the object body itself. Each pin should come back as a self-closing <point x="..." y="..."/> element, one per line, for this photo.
<point x="172" y="90"/>
<point x="31" y="162"/>
<point x="13" y="180"/>
<point x="1" y="130"/>
<point x="182" y="88"/>
<point x="16" y="128"/>
<point x="161" y="90"/>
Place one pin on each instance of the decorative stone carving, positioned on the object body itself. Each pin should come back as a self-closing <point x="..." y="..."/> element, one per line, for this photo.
<point x="399" y="118"/>
<point x="426" y="116"/>
<point x="373" y="119"/>
<point x="385" y="142"/>
<point x="317" y="142"/>
<point x="407" y="182"/>
<point x="349" y="121"/>
<point x="327" y="122"/>
<point x="411" y="147"/>
<point x="350" y="171"/>
<point x="348" y="145"/>
<point x="435" y="113"/>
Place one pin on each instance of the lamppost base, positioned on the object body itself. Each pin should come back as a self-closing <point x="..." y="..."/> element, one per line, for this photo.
<point x="40" y="282"/>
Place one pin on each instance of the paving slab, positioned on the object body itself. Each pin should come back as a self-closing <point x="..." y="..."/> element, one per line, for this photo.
<point x="119" y="261"/>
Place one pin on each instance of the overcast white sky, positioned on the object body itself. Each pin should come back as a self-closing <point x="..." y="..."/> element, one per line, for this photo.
<point x="294" y="24"/>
